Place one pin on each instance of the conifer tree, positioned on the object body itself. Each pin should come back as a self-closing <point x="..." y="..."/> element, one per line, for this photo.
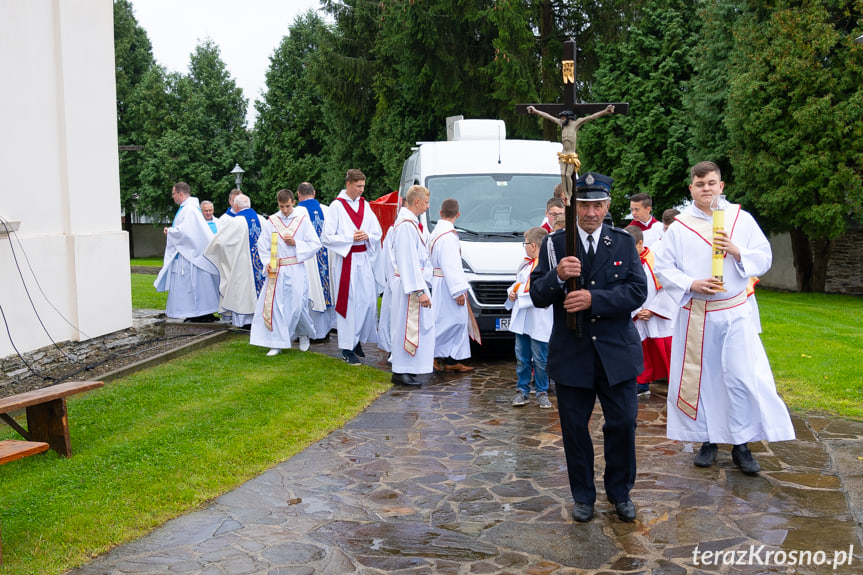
<point x="795" y="121"/>
<point x="645" y="151"/>
<point x="289" y="133"/>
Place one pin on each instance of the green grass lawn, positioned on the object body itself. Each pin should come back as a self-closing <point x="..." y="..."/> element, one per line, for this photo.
<point x="159" y="443"/>
<point x="815" y="346"/>
<point x="144" y="295"/>
<point x="149" y="262"/>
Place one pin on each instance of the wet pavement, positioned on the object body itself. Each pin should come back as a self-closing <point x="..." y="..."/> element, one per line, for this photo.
<point x="451" y="479"/>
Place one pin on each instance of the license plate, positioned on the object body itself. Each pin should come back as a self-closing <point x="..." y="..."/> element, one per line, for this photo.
<point x="502" y="324"/>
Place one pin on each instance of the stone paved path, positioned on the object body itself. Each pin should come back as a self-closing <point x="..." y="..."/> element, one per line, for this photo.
<point x="451" y="479"/>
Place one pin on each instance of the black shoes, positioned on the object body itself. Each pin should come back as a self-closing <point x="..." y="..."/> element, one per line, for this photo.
<point x="740" y="455"/>
<point x="358" y="350"/>
<point x="406" y="379"/>
<point x="742" y="458"/>
<point x="350" y="357"/>
<point x="625" y="510"/>
<point x="206" y="318"/>
<point x="582" y="512"/>
<point x="706" y="455"/>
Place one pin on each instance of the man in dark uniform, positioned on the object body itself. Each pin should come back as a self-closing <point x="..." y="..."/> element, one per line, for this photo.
<point x="605" y="359"/>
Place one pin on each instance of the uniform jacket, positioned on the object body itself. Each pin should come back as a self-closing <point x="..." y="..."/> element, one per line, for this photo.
<point x="618" y="285"/>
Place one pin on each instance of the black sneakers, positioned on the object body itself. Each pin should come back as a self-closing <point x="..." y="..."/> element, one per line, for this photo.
<point x="742" y="458"/>
<point x="706" y="455"/>
<point x="350" y="357"/>
<point x="740" y="455"/>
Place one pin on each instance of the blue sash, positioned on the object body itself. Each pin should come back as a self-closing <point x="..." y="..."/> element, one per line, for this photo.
<point x="254" y="225"/>
<point x="316" y="215"/>
<point x="174" y="221"/>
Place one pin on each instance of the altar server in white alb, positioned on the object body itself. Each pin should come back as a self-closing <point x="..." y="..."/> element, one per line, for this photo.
<point x="452" y="315"/>
<point x="720" y="387"/>
<point x="412" y="329"/>
<point x="191" y="280"/>
<point x="353" y="235"/>
<point x="282" y="312"/>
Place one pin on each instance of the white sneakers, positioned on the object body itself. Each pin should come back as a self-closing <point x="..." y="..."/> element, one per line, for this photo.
<point x="304" y="346"/>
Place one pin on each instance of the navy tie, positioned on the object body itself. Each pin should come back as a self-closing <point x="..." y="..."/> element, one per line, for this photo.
<point x="591" y="253"/>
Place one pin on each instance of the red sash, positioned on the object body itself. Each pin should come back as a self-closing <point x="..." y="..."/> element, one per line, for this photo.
<point x="345" y="277"/>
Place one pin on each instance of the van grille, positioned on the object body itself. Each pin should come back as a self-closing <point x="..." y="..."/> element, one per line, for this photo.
<point x="490" y="293"/>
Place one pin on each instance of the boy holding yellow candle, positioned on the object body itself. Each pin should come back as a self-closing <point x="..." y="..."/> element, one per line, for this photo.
<point x="282" y="313"/>
<point x="720" y="387"/>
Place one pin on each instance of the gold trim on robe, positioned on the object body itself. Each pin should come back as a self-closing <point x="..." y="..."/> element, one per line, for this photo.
<point x="285" y="232"/>
<point x="690" y="380"/>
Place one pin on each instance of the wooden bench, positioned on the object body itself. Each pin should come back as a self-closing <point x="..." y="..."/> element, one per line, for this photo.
<point x="12" y="449"/>
<point x="47" y="421"/>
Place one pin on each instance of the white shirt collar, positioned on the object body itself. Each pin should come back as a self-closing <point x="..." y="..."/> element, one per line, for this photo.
<point x="597" y="233"/>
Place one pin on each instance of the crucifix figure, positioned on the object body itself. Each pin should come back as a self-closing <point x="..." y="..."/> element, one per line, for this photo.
<point x="568" y="158"/>
<point x="565" y="115"/>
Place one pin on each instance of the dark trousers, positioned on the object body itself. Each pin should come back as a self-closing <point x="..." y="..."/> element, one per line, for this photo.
<point x="620" y="409"/>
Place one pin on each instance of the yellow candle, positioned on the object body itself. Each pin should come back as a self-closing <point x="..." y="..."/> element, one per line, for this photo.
<point x="274" y="252"/>
<point x="718" y="267"/>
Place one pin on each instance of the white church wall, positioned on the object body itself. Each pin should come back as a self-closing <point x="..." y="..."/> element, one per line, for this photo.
<point x="59" y="161"/>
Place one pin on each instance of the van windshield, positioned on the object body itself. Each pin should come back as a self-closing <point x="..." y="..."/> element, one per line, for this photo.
<point x="494" y="204"/>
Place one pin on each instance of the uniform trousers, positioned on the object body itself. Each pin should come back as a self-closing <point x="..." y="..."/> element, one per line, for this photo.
<point x="620" y="410"/>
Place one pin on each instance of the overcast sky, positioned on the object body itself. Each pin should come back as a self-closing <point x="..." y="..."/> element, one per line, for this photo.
<point x="246" y="31"/>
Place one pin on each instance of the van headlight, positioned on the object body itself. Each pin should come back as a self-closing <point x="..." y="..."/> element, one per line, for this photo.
<point x="466" y="267"/>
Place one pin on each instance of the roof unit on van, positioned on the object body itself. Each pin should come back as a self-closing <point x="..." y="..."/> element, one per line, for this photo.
<point x="479" y="130"/>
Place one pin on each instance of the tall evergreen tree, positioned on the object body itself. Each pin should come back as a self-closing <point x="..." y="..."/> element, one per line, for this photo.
<point x="705" y="96"/>
<point x="133" y="57"/>
<point x="795" y="120"/>
<point x="203" y="134"/>
<point x="344" y="71"/>
<point x="645" y="151"/>
<point x="431" y="55"/>
<point x="289" y="133"/>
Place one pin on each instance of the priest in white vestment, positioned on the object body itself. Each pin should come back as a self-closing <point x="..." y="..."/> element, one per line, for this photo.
<point x="720" y="387"/>
<point x="191" y="280"/>
<point x="282" y="311"/>
<point x="234" y="251"/>
<point x="353" y="236"/>
<point x="412" y="329"/>
<point x="450" y="309"/>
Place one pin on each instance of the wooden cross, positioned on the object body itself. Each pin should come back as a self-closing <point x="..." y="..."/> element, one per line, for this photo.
<point x="569" y="103"/>
<point x="573" y="247"/>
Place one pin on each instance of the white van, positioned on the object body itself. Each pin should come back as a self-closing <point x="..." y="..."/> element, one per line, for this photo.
<point x="501" y="186"/>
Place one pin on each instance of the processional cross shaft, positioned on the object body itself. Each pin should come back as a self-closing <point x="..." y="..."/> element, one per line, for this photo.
<point x="569" y="162"/>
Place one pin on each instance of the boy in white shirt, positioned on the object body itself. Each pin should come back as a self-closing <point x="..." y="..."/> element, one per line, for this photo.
<point x="531" y="325"/>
